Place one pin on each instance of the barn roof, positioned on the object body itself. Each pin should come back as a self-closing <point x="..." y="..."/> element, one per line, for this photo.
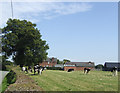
<point x="59" y="65"/>
<point x="112" y="64"/>
<point x="80" y="64"/>
<point x="50" y="59"/>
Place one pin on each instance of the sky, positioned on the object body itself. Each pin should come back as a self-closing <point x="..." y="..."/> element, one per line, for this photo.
<point x="77" y="31"/>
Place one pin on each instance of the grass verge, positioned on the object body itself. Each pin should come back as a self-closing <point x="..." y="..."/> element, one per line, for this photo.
<point x="10" y="78"/>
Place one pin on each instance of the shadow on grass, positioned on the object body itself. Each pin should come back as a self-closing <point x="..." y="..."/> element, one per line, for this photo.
<point x="109" y="75"/>
<point x="31" y="74"/>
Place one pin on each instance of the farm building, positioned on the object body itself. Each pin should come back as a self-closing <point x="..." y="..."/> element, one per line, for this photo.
<point x="78" y="65"/>
<point x="59" y="65"/>
<point x="109" y="65"/>
<point x="49" y="62"/>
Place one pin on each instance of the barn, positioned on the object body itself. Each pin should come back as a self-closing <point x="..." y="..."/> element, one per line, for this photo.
<point x="109" y="65"/>
<point x="49" y="62"/>
<point x="78" y="65"/>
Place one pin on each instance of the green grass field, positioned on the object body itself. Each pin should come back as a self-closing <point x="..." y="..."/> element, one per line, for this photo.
<point x="53" y="80"/>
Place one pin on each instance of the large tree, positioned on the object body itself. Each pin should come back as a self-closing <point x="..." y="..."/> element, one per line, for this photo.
<point x="22" y="41"/>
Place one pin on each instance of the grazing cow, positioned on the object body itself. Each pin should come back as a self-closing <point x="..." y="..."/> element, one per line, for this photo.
<point x="45" y="68"/>
<point x="69" y="70"/>
<point x="30" y="69"/>
<point x="41" y="71"/>
<point x="24" y="69"/>
<point x="38" y="69"/>
<point x="35" y="69"/>
<point x="21" y="65"/>
<point x="114" y="70"/>
<point x="86" y="70"/>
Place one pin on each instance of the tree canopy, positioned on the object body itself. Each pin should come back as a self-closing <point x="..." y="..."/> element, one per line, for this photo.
<point x="22" y="41"/>
<point x="59" y="62"/>
<point x="66" y="60"/>
<point x="99" y="66"/>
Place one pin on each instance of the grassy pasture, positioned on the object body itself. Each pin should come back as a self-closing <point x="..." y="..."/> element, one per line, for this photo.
<point x="55" y="80"/>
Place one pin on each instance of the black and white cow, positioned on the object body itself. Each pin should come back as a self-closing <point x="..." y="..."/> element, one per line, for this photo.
<point x="30" y="69"/>
<point x="35" y="69"/>
<point x="86" y="70"/>
<point x="41" y="71"/>
<point x="38" y="69"/>
<point x="25" y="69"/>
<point x="69" y="70"/>
<point x="45" y="68"/>
<point x="114" y="70"/>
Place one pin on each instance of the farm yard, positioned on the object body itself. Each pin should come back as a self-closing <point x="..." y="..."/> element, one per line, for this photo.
<point x="65" y="53"/>
<point x="55" y="80"/>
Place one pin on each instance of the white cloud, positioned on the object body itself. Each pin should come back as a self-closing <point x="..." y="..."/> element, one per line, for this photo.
<point x="73" y="8"/>
<point x="37" y="11"/>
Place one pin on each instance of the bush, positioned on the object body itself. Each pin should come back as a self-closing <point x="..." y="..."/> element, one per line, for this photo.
<point x="8" y="63"/>
<point x="54" y="68"/>
<point x="11" y="77"/>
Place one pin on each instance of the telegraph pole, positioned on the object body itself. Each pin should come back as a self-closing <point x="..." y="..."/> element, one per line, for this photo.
<point x="12" y="8"/>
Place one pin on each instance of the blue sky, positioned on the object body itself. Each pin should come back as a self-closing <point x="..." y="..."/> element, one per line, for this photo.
<point x="79" y="32"/>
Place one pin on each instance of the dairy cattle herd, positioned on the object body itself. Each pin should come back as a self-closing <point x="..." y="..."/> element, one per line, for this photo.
<point x="38" y="69"/>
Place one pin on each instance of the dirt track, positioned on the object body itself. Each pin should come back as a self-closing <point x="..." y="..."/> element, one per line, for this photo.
<point x="23" y="83"/>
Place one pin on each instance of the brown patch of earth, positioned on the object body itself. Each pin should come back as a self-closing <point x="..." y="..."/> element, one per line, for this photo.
<point x="23" y="83"/>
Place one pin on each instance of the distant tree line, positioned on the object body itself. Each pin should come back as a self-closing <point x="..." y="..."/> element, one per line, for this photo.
<point x="63" y="62"/>
<point x="99" y="66"/>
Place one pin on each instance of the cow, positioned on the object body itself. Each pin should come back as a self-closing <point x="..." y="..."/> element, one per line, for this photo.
<point x="69" y="70"/>
<point x="35" y="69"/>
<point x="114" y="70"/>
<point x="25" y="69"/>
<point x="41" y="71"/>
<point x="38" y="69"/>
<point x="21" y="66"/>
<point x="30" y="69"/>
<point x="45" y="68"/>
<point x="86" y="70"/>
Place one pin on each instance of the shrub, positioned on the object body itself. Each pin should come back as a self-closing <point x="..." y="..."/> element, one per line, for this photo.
<point x="8" y="63"/>
<point x="11" y="77"/>
<point x="54" y="68"/>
